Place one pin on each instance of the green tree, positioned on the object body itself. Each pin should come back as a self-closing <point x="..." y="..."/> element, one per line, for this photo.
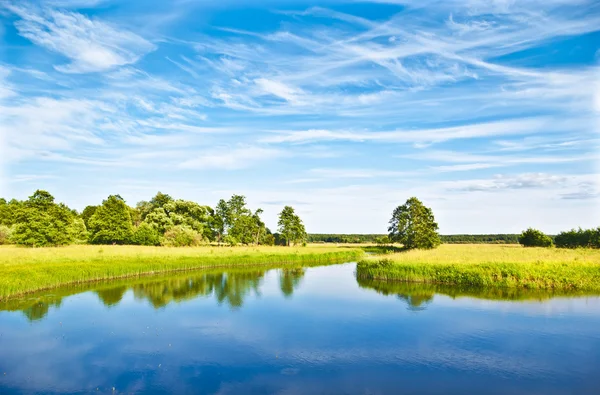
<point x="39" y="222"/>
<point x="181" y="212"/>
<point x="290" y="226"/>
<point x="181" y="236"/>
<point x="5" y="234"/>
<point x="414" y="226"/>
<point x="146" y="235"/>
<point x="111" y="223"/>
<point x="87" y="213"/>
<point x="234" y="223"/>
<point x="534" y="238"/>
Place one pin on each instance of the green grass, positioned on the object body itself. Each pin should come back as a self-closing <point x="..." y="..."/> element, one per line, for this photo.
<point x="26" y="270"/>
<point x="504" y="266"/>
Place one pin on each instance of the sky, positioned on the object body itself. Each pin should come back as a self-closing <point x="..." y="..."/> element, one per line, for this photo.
<point x="488" y="111"/>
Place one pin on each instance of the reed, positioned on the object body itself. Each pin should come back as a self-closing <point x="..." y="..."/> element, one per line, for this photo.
<point x="505" y="266"/>
<point x="26" y="270"/>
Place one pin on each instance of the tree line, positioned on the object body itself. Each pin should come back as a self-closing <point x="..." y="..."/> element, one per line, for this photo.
<point x="39" y="221"/>
<point x="574" y="238"/>
<point x="413" y="225"/>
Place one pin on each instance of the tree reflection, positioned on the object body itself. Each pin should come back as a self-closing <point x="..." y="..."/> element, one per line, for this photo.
<point x="39" y="310"/>
<point x="228" y="287"/>
<point x="290" y="279"/>
<point x="416" y="296"/>
<point x="111" y="296"/>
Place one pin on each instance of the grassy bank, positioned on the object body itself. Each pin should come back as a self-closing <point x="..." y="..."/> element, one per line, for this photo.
<point x="25" y="270"/>
<point x="504" y="266"/>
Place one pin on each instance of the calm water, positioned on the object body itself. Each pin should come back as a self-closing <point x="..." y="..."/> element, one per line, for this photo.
<point x="311" y="331"/>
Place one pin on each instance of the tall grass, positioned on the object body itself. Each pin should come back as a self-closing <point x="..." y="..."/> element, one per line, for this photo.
<point x="25" y="270"/>
<point x="504" y="266"/>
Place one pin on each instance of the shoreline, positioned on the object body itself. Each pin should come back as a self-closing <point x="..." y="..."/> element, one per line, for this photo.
<point x="489" y="267"/>
<point x="23" y="278"/>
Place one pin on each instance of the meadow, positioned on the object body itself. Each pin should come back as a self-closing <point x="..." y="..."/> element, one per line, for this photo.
<point x="506" y="266"/>
<point x="26" y="270"/>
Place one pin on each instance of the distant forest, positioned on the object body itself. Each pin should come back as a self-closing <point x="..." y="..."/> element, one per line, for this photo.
<point x="381" y="238"/>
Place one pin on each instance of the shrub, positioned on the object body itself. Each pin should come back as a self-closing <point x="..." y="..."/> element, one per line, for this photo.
<point x="5" y="233"/>
<point x="181" y="236"/>
<point x="534" y="238"/>
<point x="146" y="235"/>
<point x="588" y="238"/>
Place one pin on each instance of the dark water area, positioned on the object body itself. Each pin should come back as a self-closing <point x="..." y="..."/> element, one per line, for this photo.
<point x="297" y="331"/>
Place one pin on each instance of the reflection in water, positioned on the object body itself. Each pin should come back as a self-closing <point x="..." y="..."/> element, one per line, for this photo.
<point x="290" y="279"/>
<point x="419" y="295"/>
<point x="134" y="336"/>
<point x="111" y="296"/>
<point x="39" y="310"/>
<point x="228" y="287"/>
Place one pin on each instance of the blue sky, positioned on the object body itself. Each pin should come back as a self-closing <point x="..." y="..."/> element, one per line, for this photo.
<point x="487" y="110"/>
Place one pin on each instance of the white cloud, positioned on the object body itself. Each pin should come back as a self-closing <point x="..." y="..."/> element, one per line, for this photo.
<point x="504" y="182"/>
<point x="232" y="159"/>
<point x="437" y="135"/>
<point x="91" y="45"/>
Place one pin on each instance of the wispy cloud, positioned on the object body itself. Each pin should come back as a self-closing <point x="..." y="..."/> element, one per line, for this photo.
<point x="232" y="158"/>
<point x="90" y="45"/>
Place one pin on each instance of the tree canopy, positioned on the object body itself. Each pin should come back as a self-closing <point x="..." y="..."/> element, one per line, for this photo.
<point x="534" y="238"/>
<point x="413" y="225"/>
<point x="39" y="222"/>
<point x="290" y="226"/>
<point x="111" y="222"/>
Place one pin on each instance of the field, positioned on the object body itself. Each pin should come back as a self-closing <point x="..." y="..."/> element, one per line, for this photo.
<point x="505" y="266"/>
<point x="25" y="270"/>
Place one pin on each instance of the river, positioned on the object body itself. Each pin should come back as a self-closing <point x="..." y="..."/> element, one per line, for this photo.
<point x="297" y="331"/>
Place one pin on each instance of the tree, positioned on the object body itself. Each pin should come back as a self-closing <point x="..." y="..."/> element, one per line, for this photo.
<point x="87" y="213"/>
<point x="5" y="234"/>
<point x="146" y="235"/>
<point x="234" y="223"/>
<point x="39" y="222"/>
<point x="184" y="213"/>
<point x="414" y="226"/>
<point x="111" y="223"/>
<point x="181" y="236"/>
<point x="534" y="238"/>
<point x="584" y="238"/>
<point x="290" y="226"/>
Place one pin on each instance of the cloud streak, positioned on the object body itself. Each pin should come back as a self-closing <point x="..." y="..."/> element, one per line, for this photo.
<point x="90" y="45"/>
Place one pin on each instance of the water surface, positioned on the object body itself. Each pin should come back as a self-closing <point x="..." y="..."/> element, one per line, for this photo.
<point x="297" y="331"/>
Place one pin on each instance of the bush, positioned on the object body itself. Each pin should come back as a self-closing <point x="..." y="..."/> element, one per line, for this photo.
<point x="588" y="238"/>
<point x="534" y="238"/>
<point x="5" y="233"/>
<point x="145" y="235"/>
<point x="181" y="236"/>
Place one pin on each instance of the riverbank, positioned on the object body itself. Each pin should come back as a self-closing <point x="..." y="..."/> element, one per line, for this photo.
<point x="504" y="266"/>
<point x="27" y="270"/>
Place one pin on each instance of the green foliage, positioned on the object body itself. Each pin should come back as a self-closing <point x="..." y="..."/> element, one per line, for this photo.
<point x="383" y="240"/>
<point x="290" y="226"/>
<point x="5" y="234"/>
<point x="234" y="223"/>
<point x="40" y="222"/>
<point x="111" y="223"/>
<point x="414" y="226"/>
<point x="87" y="213"/>
<point x="146" y="235"/>
<point x="181" y="236"/>
<point x="163" y="213"/>
<point x="588" y="238"/>
<point x="534" y="238"/>
<point x="78" y="231"/>
<point x="480" y="239"/>
<point x="341" y="238"/>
